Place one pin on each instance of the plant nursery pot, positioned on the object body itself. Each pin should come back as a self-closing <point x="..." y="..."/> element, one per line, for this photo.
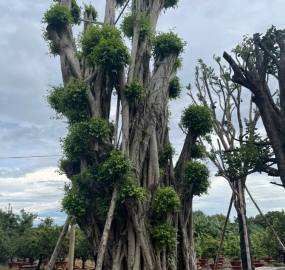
<point x="29" y="267"/>
<point x="259" y="264"/>
<point x="221" y="260"/>
<point x="236" y="267"/>
<point x="219" y="266"/>
<point x="12" y="264"/>
<point x="203" y="261"/>
<point x="63" y="264"/>
<point x="268" y="259"/>
<point x="236" y="263"/>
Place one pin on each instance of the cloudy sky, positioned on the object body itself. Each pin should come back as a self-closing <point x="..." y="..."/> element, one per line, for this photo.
<point x="28" y="130"/>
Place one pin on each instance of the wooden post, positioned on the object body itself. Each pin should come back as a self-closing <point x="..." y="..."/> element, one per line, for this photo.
<point x="71" y="247"/>
<point x="223" y="234"/>
<point x="58" y="244"/>
<point x="266" y="221"/>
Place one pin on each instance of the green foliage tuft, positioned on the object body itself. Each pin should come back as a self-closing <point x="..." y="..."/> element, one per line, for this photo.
<point x="75" y="12"/>
<point x="166" y="43"/>
<point x="57" y="17"/>
<point x="143" y="23"/>
<point x="82" y="136"/>
<point x="70" y="101"/>
<point x="128" y="187"/>
<point x="198" y="151"/>
<point x="166" y="153"/>
<point x="198" y="174"/>
<point x="89" y="9"/>
<point x="120" y="3"/>
<point x="104" y="47"/>
<point x="178" y="64"/>
<point x="197" y="118"/>
<point x="116" y="166"/>
<point x="75" y="202"/>
<point x="175" y="88"/>
<point x="135" y="90"/>
<point x="166" y="201"/>
<point x="170" y="4"/>
<point x="164" y="235"/>
<point x="127" y="24"/>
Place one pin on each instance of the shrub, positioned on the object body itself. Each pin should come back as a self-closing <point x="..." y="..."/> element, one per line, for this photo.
<point x="197" y="118"/>
<point x="164" y="235"/>
<point x="135" y="90"/>
<point x="143" y="23"/>
<point x="89" y="9"/>
<point x="166" y="153"/>
<point x="57" y="16"/>
<point x="175" y="88"/>
<point x="104" y="46"/>
<point x="166" y="200"/>
<point x="70" y="100"/>
<point x="197" y="174"/>
<point x="166" y="43"/>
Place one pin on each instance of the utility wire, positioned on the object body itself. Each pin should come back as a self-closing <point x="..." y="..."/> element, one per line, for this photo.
<point x="31" y="156"/>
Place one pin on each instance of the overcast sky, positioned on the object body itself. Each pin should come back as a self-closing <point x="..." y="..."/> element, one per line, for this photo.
<point x="26" y="125"/>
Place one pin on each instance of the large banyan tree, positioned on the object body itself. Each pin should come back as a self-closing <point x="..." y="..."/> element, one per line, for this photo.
<point x="125" y="193"/>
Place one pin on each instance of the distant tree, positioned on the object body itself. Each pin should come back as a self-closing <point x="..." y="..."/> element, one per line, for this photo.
<point x="82" y="248"/>
<point x="44" y="239"/>
<point x="125" y="193"/>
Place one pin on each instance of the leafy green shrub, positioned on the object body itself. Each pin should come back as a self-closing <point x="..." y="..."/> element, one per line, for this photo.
<point x="197" y="174"/>
<point x="116" y="166"/>
<point x="75" y="12"/>
<point x="166" y="200"/>
<point x="198" y="151"/>
<point x="70" y="100"/>
<point x="175" y="88"/>
<point x="143" y="22"/>
<point x="197" y="118"/>
<point x="135" y="90"/>
<point x="81" y="135"/>
<point x="104" y="47"/>
<point x="232" y="247"/>
<point x="170" y="3"/>
<point x="127" y="24"/>
<point x="75" y="202"/>
<point x="166" y="43"/>
<point x="57" y="17"/>
<point x="128" y="187"/>
<point x="166" y="153"/>
<point x="89" y="9"/>
<point x="210" y="247"/>
<point x="164" y="235"/>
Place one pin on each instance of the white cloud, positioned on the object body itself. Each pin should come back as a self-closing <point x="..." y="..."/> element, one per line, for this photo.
<point x="209" y="27"/>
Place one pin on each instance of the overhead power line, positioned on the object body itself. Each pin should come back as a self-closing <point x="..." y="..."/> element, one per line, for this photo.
<point x="32" y="156"/>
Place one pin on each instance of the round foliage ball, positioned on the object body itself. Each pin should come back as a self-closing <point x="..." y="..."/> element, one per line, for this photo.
<point x="166" y="43"/>
<point x="127" y="25"/>
<point x="175" y="88"/>
<point x="166" y="200"/>
<point x="164" y="235"/>
<point x="198" y="174"/>
<point x="103" y="46"/>
<point x="197" y="118"/>
<point x="57" y="16"/>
